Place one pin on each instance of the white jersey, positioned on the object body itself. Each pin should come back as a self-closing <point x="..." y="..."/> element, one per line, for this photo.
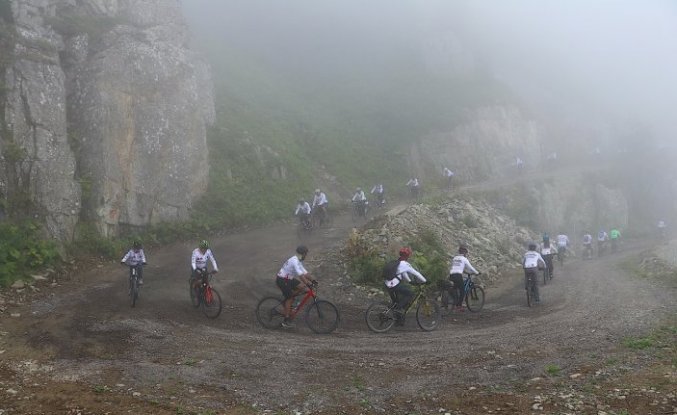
<point x="661" y="224"/>
<point x="199" y="260"/>
<point x="320" y="199"/>
<point x="292" y="268"/>
<point x="403" y="273"/>
<point x="447" y="173"/>
<point x="303" y="208"/>
<point x="359" y="196"/>
<point x="412" y="183"/>
<point x="134" y="258"/>
<point x="562" y="241"/>
<point x="533" y="259"/>
<point x="460" y="264"/>
<point x="587" y="239"/>
<point x="602" y="236"/>
<point x="377" y="189"/>
<point x="549" y="250"/>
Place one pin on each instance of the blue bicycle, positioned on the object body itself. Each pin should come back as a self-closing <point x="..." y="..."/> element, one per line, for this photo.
<point x="472" y="294"/>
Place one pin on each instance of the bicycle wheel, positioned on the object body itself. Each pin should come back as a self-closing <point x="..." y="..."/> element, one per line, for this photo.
<point x="211" y="303"/>
<point x="529" y="299"/>
<point x="194" y="295"/>
<point x="270" y="312"/>
<point x="322" y="317"/>
<point x="474" y="300"/>
<point x="380" y="317"/>
<point x="545" y="276"/>
<point x="133" y="290"/>
<point x="427" y="314"/>
<point x="444" y="298"/>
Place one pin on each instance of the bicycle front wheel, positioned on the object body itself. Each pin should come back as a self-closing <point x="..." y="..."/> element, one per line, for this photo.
<point x="545" y="276"/>
<point x="134" y="291"/>
<point x="380" y="317"/>
<point x="270" y="312"/>
<point x="529" y="298"/>
<point x="211" y="304"/>
<point x="322" y="317"/>
<point x="475" y="299"/>
<point x="427" y="314"/>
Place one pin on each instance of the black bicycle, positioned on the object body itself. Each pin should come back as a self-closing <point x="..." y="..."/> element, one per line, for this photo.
<point x="381" y="315"/>
<point x="134" y="287"/>
<point x="532" y="289"/>
<point x="472" y="294"/>
<point x="360" y="210"/>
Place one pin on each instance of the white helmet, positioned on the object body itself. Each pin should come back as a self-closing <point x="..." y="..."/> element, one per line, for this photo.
<point x="317" y="190"/>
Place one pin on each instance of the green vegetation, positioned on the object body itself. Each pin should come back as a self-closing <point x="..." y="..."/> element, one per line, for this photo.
<point x="22" y="251"/>
<point x="552" y="369"/>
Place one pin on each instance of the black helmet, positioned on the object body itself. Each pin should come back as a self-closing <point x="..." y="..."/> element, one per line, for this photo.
<point x="463" y="250"/>
<point x="532" y="246"/>
<point x="136" y="244"/>
<point x="302" y="250"/>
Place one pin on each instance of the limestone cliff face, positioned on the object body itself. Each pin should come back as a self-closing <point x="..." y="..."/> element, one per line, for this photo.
<point x="120" y="106"/>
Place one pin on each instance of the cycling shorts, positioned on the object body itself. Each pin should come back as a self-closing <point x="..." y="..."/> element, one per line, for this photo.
<point x="287" y="286"/>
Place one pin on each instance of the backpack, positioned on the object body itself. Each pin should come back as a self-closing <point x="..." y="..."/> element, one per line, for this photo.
<point x="390" y="270"/>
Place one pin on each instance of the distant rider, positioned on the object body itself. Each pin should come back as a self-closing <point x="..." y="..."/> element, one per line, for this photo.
<point x="133" y="258"/>
<point x="562" y="244"/>
<point x="360" y="200"/>
<point x="587" y="245"/>
<point x="602" y="238"/>
<point x="320" y="203"/>
<point x="289" y="280"/>
<point x="531" y="263"/>
<point x="414" y="187"/>
<point x="401" y="293"/>
<point x="380" y="194"/>
<point x="614" y="237"/>
<point x="303" y="211"/>
<point x="662" y="228"/>
<point x="460" y="265"/>
<point x="198" y="262"/>
<point x="448" y="175"/>
<point x="547" y="252"/>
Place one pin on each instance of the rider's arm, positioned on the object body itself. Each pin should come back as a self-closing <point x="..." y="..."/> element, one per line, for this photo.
<point x="296" y="212"/>
<point x="469" y="267"/>
<point x="192" y="260"/>
<point x="210" y="254"/>
<point x="406" y="269"/>
<point x="541" y="262"/>
<point x="143" y="257"/>
<point x="126" y="257"/>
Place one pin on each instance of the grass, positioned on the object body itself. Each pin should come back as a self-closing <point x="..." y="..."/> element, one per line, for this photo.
<point x="552" y="369"/>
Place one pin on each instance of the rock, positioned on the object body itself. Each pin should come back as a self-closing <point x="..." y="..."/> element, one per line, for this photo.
<point x="38" y="277"/>
<point x="575" y="376"/>
<point x="18" y="285"/>
<point x="15" y="315"/>
<point x="136" y="394"/>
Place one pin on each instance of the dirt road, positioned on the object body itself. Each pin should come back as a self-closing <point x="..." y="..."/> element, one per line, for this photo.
<point x="82" y="348"/>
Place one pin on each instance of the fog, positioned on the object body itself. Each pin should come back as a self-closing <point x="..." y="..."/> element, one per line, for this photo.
<point x="576" y="61"/>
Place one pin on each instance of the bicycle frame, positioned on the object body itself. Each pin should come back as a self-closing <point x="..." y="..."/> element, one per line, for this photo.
<point x="308" y="295"/>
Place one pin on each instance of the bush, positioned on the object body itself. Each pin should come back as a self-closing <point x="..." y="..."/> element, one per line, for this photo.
<point x="22" y="250"/>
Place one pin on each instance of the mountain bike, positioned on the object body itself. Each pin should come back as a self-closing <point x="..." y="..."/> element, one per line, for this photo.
<point x="321" y="316"/>
<point x="203" y="295"/>
<point x="561" y="255"/>
<point x="532" y="288"/>
<point x="381" y="315"/>
<point x="359" y="210"/>
<point x="320" y="217"/>
<point x="472" y="294"/>
<point x="304" y="226"/>
<point x="548" y="270"/>
<point x="134" y="283"/>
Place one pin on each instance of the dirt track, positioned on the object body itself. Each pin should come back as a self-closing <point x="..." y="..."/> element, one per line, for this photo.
<point x="173" y="357"/>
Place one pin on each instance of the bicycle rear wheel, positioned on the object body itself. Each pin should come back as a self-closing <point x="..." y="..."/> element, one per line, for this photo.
<point x="211" y="303"/>
<point x="322" y="317"/>
<point x="380" y="317"/>
<point x="427" y="314"/>
<point x="270" y="312"/>
<point x="545" y="276"/>
<point x="474" y="300"/>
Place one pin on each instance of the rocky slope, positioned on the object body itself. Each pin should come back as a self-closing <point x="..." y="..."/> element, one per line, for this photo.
<point x="108" y="109"/>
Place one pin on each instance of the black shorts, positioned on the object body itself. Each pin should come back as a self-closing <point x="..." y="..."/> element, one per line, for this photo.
<point x="287" y="286"/>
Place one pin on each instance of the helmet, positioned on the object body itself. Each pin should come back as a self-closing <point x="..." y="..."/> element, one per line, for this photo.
<point x="302" y="200"/>
<point x="546" y="237"/>
<point x="463" y="250"/>
<point x="405" y="252"/>
<point x="532" y="246"/>
<point x="359" y="189"/>
<point x="204" y="244"/>
<point x="136" y="244"/>
<point x="302" y="250"/>
<point x="317" y="190"/>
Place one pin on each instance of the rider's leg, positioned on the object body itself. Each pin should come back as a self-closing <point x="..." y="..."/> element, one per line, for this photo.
<point x="457" y="279"/>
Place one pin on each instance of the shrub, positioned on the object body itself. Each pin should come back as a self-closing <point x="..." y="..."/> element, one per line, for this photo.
<point x="22" y="250"/>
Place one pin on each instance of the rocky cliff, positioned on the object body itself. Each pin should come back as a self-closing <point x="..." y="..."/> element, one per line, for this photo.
<point x="108" y="110"/>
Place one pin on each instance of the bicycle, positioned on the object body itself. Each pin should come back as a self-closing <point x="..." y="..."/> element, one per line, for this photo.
<point x="381" y="316"/>
<point x="320" y="217"/>
<point x="561" y="255"/>
<point x="305" y="226"/>
<point x="548" y="270"/>
<point x="321" y="316"/>
<point x="359" y="210"/>
<point x="203" y="295"/>
<point x="134" y="284"/>
<point x="472" y="294"/>
<point x="532" y="288"/>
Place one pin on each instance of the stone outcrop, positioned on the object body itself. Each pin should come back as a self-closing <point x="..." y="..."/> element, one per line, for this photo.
<point x="112" y="106"/>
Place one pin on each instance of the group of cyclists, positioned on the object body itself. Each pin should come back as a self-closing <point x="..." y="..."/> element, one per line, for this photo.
<point x="306" y="211"/>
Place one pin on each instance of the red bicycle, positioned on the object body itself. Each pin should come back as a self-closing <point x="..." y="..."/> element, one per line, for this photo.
<point x="203" y="295"/>
<point x="321" y="316"/>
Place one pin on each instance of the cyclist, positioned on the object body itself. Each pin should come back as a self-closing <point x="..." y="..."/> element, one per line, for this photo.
<point x="587" y="245"/>
<point x="401" y="293"/>
<point x="547" y="252"/>
<point x="414" y="187"/>
<point x="289" y="280"/>
<point x="380" y="194"/>
<point x="520" y="164"/>
<point x="135" y="257"/>
<point x="460" y="265"/>
<point x="320" y="203"/>
<point x="531" y="263"/>
<point x="562" y="244"/>
<point x="448" y="175"/>
<point x="360" y="201"/>
<point x="662" y="228"/>
<point x="198" y="262"/>
<point x="602" y="237"/>
<point x="303" y="212"/>
<point x="614" y="237"/>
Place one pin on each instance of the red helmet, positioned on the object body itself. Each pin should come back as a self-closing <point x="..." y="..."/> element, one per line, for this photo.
<point x="405" y="252"/>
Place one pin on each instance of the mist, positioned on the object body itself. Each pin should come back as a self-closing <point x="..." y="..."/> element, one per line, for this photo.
<point x="588" y="62"/>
